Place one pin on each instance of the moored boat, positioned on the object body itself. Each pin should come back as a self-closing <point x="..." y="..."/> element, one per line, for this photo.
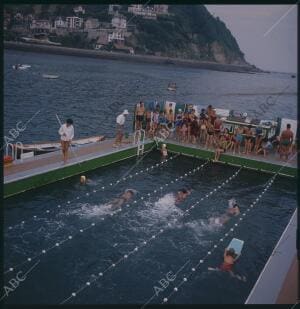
<point x="21" y="66"/>
<point x="50" y="76"/>
<point x="41" y="148"/>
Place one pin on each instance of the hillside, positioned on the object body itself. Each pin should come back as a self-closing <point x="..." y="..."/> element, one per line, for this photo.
<point x="186" y="32"/>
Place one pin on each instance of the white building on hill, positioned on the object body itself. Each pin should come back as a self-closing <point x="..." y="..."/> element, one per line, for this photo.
<point x="119" y="22"/>
<point x="74" y="22"/>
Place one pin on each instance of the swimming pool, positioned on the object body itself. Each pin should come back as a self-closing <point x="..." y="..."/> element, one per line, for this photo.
<point x="125" y="257"/>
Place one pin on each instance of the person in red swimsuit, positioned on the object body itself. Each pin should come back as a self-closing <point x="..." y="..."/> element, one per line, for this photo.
<point x="230" y="258"/>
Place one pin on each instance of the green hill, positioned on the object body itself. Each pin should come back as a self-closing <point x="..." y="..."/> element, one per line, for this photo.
<point x="188" y="32"/>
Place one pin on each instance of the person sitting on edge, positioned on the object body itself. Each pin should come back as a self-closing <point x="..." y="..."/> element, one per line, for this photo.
<point x="117" y="203"/>
<point x="164" y="151"/>
<point x="266" y="145"/>
<point x="220" y="147"/>
<point x="181" y="195"/>
<point x="230" y="257"/>
<point x="120" y="128"/>
<point x="66" y="133"/>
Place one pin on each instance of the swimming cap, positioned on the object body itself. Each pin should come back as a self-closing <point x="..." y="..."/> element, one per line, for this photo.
<point x="232" y="203"/>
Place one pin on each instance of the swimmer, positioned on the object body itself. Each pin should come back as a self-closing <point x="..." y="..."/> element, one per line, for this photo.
<point x="164" y="151"/>
<point x="230" y="257"/>
<point x="181" y="195"/>
<point x="232" y="211"/>
<point x="82" y="180"/>
<point x="117" y="203"/>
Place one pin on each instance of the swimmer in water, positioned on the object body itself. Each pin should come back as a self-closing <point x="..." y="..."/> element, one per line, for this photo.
<point x="117" y="203"/>
<point x="232" y="211"/>
<point x="164" y="151"/>
<point x="230" y="257"/>
<point x="181" y="195"/>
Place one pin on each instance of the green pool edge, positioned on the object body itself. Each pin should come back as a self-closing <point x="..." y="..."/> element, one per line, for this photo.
<point x="260" y="166"/>
<point x="36" y="181"/>
<point x="19" y="186"/>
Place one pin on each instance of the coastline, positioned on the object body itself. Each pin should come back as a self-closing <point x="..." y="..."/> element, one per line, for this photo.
<point x="131" y="58"/>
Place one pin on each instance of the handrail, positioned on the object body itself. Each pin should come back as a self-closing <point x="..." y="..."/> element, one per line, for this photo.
<point x="12" y="150"/>
<point x="21" y="148"/>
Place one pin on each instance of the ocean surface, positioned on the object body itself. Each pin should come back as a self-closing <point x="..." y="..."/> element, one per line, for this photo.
<point x="94" y="91"/>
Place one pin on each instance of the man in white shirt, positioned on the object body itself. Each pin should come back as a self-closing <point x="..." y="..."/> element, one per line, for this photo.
<point x="120" y="128"/>
<point x="66" y="133"/>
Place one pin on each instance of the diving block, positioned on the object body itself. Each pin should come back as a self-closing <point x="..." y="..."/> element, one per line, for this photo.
<point x="236" y="245"/>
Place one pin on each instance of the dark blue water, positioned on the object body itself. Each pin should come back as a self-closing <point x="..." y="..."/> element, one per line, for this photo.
<point x="93" y="92"/>
<point x="67" y="268"/>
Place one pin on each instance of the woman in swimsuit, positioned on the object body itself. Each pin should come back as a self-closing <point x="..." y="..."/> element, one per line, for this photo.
<point x="203" y="130"/>
<point x="238" y="140"/>
<point x="210" y="135"/>
<point x="149" y="120"/>
<point x="194" y="130"/>
<point x="178" y="124"/>
<point x="248" y="140"/>
<point x="183" y="131"/>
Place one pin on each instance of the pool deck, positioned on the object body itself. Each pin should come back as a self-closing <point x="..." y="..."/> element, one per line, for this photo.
<point x="43" y="169"/>
<point x="270" y="164"/>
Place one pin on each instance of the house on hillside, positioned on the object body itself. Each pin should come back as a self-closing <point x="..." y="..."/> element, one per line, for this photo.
<point x="79" y="10"/>
<point x="40" y="26"/>
<point x="60" y="23"/>
<point x="74" y="22"/>
<point x="144" y="11"/>
<point x="119" y="22"/>
<point x="116" y="35"/>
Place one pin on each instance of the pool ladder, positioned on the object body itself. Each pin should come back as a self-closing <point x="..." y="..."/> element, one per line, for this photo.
<point x="14" y="150"/>
<point x="139" y="138"/>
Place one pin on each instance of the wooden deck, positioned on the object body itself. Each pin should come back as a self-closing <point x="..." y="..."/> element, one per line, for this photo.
<point x="47" y="168"/>
<point x="45" y="162"/>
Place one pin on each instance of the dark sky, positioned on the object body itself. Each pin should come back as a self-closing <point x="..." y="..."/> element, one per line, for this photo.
<point x="267" y="34"/>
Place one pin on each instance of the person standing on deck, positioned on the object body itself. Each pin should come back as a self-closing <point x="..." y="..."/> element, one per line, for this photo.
<point x="286" y="140"/>
<point x="66" y="133"/>
<point x="120" y="128"/>
<point x="139" y="115"/>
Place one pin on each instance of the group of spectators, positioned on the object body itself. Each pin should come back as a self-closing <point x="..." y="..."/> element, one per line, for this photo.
<point x="208" y="130"/>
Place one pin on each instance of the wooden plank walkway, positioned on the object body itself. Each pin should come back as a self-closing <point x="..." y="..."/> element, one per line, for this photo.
<point x="51" y="161"/>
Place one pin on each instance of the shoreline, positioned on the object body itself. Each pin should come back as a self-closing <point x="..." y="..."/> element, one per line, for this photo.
<point x="58" y="50"/>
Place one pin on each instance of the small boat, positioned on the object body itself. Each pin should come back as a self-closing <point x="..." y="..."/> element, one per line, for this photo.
<point x="172" y="87"/>
<point x="49" y="76"/>
<point x="41" y="148"/>
<point x="21" y="66"/>
<point x="293" y="76"/>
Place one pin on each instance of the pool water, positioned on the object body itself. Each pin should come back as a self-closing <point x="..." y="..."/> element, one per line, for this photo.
<point x="68" y="267"/>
